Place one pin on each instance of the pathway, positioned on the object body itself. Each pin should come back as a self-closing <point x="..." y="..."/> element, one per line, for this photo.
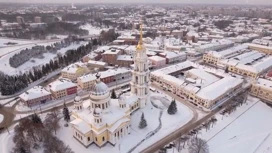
<point x="150" y="134"/>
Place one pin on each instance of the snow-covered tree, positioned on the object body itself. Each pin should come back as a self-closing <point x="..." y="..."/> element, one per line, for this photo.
<point x="142" y="123"/>
<point x="66" y="114"/>
<point x="172" y="109"/>
<point x="113" y="94"/>
<point x="197" y="145"/>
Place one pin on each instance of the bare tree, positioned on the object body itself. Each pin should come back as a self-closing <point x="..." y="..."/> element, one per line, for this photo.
<point x="51" y="121"/>
<point x="198" y="145"/>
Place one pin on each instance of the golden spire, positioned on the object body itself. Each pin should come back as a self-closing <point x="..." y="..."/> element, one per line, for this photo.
<point x="140" y="43"/>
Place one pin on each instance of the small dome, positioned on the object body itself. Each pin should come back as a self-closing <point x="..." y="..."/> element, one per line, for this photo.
<point x="99" y="88"/>
<point x="77" y="99"/>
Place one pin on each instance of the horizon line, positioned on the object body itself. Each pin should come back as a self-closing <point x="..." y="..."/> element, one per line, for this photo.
<point x="260" y="4"/>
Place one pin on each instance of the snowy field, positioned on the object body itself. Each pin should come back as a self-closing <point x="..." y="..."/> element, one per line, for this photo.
<point x="33" y="61"/>
<point x="4" y="41"/>
<point x="91" y="29"/>
<point x="247" y="130"/>
<point x="1" y="118"/>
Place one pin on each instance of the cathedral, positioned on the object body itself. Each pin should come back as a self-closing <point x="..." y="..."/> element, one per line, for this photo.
<point x="101" y="119"/>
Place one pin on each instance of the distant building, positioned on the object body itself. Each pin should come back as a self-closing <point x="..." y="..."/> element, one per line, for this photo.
<point x="124" y="60"/>
<point x="37" y="19"/>
<point x="261" y="48"/>
<point x="173" y="57"/>
<point x="62" y="87"/>
<point x="157" y="61"/>
<point x="108" y="77"/>
<point x="35" y="96"/>
<point x="110" y="56"/>
<point x="262" y="88"/>
<point x="92" y="64"/>
<point x="240" y="60"/>
<point x="20" y="20"/>
<point x="74" y="71"/>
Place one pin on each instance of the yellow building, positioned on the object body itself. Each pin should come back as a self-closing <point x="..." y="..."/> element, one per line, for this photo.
<point x="102" y="120"/>
<point x="262" y="88"/>
<point x="261" y="48"/>
<point x="74" y="71"/>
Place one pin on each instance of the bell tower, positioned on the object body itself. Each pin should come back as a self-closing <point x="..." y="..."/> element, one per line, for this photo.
<point x="140" y="75"/>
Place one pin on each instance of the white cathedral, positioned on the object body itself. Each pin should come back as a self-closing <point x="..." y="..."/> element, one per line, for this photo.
<point x="101" y="119"/>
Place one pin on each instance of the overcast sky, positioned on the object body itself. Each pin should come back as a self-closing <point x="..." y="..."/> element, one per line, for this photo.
<point x="146" y="1"/>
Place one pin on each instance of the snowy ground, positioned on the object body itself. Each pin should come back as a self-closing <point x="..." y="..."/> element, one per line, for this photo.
<point x="4" y="41"/>
<point x="6" y="141"/>
<point x="247" y="130"/>
<point x="4" y="101"/>
<point x="1" y="118"/>
<point x="92" y="30"/>
<point x="33" y="61"/>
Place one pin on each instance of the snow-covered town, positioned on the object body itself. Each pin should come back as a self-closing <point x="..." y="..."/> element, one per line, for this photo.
<point x="158" y="77"/>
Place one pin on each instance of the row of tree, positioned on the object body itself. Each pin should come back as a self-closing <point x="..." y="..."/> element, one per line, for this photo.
<point x="12" y="84"/>
<point x="36" y="51"/>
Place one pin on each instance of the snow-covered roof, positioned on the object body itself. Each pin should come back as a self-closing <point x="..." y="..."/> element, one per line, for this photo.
<point x="112" y="51"/>
<point x="112" y="118"/>
<point x="73" y="68"/>
<point x="260" y="46"/>
<point x="81" y="126"/>
<point x="173" y="68"/>
<point x="205" y="77"/>
<point x="219" y="88"/>
<point x="156" y="58"/>
<point x="264" y="83"/>
<point x="104" y="74"/>
<point x="173" y="54"/>
<point x="228" y="52"/>
<point x="97" y="63"/>
<point x="124" y="58"/>
<point x="61" y="84"/>
<point x="33" y="93"/>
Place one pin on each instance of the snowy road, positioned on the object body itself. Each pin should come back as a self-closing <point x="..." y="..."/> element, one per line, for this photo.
<point x="195" y="122"/>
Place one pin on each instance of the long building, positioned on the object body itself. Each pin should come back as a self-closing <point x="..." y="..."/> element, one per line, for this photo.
<point x="240" y="60"/>
<point x="197" y="84"/>
<point x="35" y="96"/>
<point x="62" y="87"/>
<point x="109" y="76"/>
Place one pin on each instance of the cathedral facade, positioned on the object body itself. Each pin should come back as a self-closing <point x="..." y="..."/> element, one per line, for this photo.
<point x="102" y="120"/>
